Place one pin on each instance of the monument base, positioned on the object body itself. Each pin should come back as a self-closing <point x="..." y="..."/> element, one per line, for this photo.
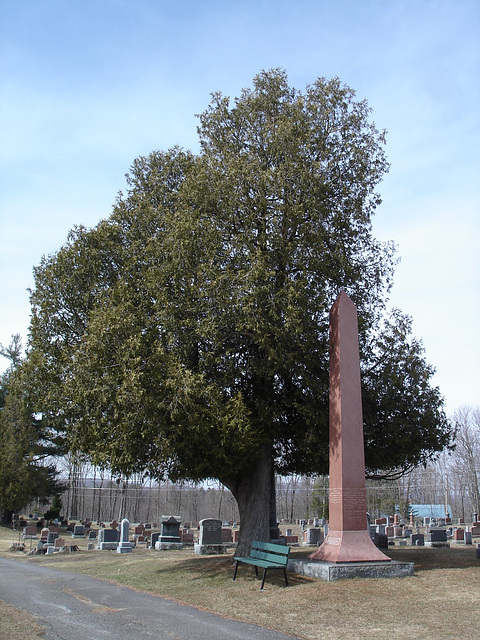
<point x="124" y="547"/>
<point x="107" y="546"/>
<point x="349" y="546"/>
<point x="210" y="549"/>
<point x="330" y="571"/>
<point x="169" y="546"/>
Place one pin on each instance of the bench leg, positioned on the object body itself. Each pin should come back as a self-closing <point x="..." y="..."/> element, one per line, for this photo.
<point x="263" y="579"/>
<point x="286" y="579"/>
<point x="235" y="572"/>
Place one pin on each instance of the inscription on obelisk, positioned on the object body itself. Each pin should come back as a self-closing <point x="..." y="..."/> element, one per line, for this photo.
<point x="348" y="539"/>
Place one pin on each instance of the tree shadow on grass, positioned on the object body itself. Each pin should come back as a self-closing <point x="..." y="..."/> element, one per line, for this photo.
<point x="430" y="559"/>
<point x="217" y="569"/>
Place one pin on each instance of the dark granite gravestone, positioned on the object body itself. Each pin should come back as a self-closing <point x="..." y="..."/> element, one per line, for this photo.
<point x="154" y="539"/>
<point x="210" y="531"/>
<point x="170" y="529"/>
<point x="107" y="539"/>
<point x="437" y="537"/>
<point x="210" y="537"/>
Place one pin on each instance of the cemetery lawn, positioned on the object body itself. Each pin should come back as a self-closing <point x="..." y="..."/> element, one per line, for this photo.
<point x="442" y="599"/>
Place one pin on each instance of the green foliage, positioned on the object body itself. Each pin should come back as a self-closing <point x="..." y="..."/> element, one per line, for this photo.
<point x="189" y="331"/>
<point x="55" y="508"/>
<point x="402" y="412"/>
<point x="24" y="444"/>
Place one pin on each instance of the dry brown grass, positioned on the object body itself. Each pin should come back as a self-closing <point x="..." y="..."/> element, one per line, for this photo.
<point x="16" y="624"/>
<point x="442" y="599"/>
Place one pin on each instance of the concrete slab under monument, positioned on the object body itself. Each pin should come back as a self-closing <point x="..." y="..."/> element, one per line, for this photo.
<point x="348" y="542"/>
<point x="330" y="571"/>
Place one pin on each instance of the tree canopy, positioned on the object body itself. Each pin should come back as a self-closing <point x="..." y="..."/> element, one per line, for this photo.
<point x="187" y="334"/>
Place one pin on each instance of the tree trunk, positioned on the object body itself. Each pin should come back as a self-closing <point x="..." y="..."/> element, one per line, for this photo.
<point x="7" y="517"/>
<point x="253" y="496"/>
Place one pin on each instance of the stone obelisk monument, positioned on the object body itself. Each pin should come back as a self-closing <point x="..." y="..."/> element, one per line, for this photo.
<point x="348" y="539"/>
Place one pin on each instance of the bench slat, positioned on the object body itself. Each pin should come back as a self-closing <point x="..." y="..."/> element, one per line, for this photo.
<point x="280" y="561"/>
<point x="281" y="549"/>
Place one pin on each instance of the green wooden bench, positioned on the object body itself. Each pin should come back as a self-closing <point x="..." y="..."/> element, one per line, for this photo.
<point x="266" y="555"/>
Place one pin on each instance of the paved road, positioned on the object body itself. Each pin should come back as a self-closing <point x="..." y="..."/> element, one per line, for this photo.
<point x="72" y="606"/>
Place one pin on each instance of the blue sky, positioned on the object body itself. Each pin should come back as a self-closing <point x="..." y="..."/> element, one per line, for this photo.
<point x="86" y="87"/>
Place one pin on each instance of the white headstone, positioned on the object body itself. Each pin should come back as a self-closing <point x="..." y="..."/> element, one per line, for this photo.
<point x="124" y="545"/>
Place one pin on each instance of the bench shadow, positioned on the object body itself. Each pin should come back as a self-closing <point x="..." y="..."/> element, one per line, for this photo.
<point x="213" y="567"/>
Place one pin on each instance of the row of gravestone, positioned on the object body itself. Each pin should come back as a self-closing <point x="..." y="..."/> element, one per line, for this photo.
<point x="438" y="537"/>
<point x="210" y="536"/>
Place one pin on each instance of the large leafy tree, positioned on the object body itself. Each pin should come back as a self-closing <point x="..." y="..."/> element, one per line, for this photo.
<point x="187" y="335"/>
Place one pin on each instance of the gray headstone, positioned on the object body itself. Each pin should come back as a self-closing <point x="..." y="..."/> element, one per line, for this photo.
<point x="78" y="531"/>
<point x="210" y="531"/>
<point x="124" y="530"/>
<point x="417" y="539"/>
<point x="52" y="536"/>
<point x="313" y="535"/>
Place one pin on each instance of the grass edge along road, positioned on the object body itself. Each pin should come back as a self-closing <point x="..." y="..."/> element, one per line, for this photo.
<point x="443" y="597"/>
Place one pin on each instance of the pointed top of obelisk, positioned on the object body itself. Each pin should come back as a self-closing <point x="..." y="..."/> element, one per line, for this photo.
<point x="344" y="301"/>
<point x="343" y="296"/>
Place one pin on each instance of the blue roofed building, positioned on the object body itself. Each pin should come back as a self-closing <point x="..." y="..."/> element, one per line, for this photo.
<point x="430" y="510"/>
